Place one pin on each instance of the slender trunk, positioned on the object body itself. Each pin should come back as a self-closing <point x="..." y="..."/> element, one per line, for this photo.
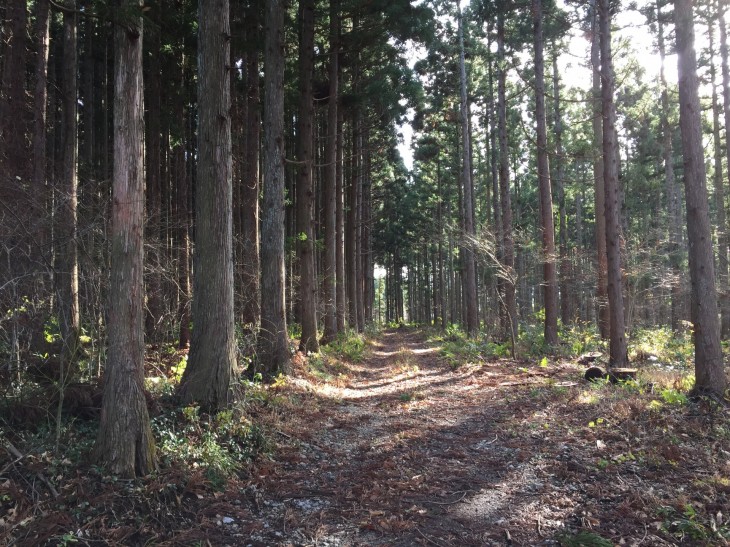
<point x="273" y="349"/>
<point x="470" y="274"/>
<point x="709" y="367"/>
<point x="125" y="444"/>
<point x="153" y="92"/>
<point x="352" y="224"/>
<point x="182" y="213"/>
<point x="721" y="222"/>
<point x="550" y="281"/>
<point x="250" y="187"/>
<point x="600" y="193"/>
<point x="330" y="183"/>
<point x="210" y="373"/>
<point x="67" y="278"/>
<point x="340" y="285"/>
<point x="726" y="102"/>
<point x="618" y="345"/>
<point x="508" y="248"/>
<point x="366" y="255"/>
<point x="305" y="186"/>
<point x="566" y="294"/>
<point x="39" y="116"/>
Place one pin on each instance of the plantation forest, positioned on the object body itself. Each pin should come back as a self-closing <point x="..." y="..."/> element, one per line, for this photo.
<point x="345" y="273"/>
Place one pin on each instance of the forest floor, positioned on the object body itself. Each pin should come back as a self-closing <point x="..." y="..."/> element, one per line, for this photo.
<point x="403" y="449"/>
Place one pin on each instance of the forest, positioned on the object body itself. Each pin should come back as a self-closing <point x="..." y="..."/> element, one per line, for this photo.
<point x="364" y="272"/>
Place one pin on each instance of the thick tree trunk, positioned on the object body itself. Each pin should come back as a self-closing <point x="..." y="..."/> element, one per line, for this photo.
<point x="210" y="372"/>
<point x="709" y="367"/>
<point x="330" y="183"/>
<point x="125" y="445"/>
<point x="470" y="273"/>
<point x="508" y="246"/>
<point x="273" y="348"/>
<point x="599" y="190"/>
<point x="67" y="276"/>
<point x="618" y="345"/>
<point x="305" y="185"/>
<point x="550" y="281"/>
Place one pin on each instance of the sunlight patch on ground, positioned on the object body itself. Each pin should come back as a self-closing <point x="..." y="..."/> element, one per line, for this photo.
<point x="421" y="351"/>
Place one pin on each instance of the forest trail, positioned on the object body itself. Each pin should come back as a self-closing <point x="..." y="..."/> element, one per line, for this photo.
<point x="406" y="451"/>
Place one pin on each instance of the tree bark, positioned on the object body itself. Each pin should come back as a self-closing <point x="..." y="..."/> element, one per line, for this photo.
<point x="210" y="373"/>
<point x="305" y="185"/>
<point x="273" y="343"/>
<point x="617" y="341"/>
<point x="547" y="229"/>
<point x="709" y="367"/>
<point x="470" y="274"/>
<point x="125" y="445"/>
<point x="330" y="183"/>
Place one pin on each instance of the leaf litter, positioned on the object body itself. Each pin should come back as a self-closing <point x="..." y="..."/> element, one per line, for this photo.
<point x="402" y="448"/>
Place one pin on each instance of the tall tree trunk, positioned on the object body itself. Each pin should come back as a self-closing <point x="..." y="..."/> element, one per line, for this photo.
<point x="366" y="255"/>
<point x="550" y="281"/>
<point x="305" y="185"/>
<point x="273" y="348"/>
<point x="599" y="190"/>
<point x="567" y="295"/>
<point x="67" y="277"/>
<point x="470" y="273"/>
<point x="153" y="92"/>
<point x="209" y="375"/>
<point x="709" y="367"/>
<point x="251" y="312"/>
<point x="617" y="346"/>
<point x="508" y="246"/>
<point x="330" y="183"/>
<point x="722" y="234"/>
<point x="125" y="444"/>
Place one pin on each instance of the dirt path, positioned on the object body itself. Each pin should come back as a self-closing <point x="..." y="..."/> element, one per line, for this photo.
<point x="409" y="452"/>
